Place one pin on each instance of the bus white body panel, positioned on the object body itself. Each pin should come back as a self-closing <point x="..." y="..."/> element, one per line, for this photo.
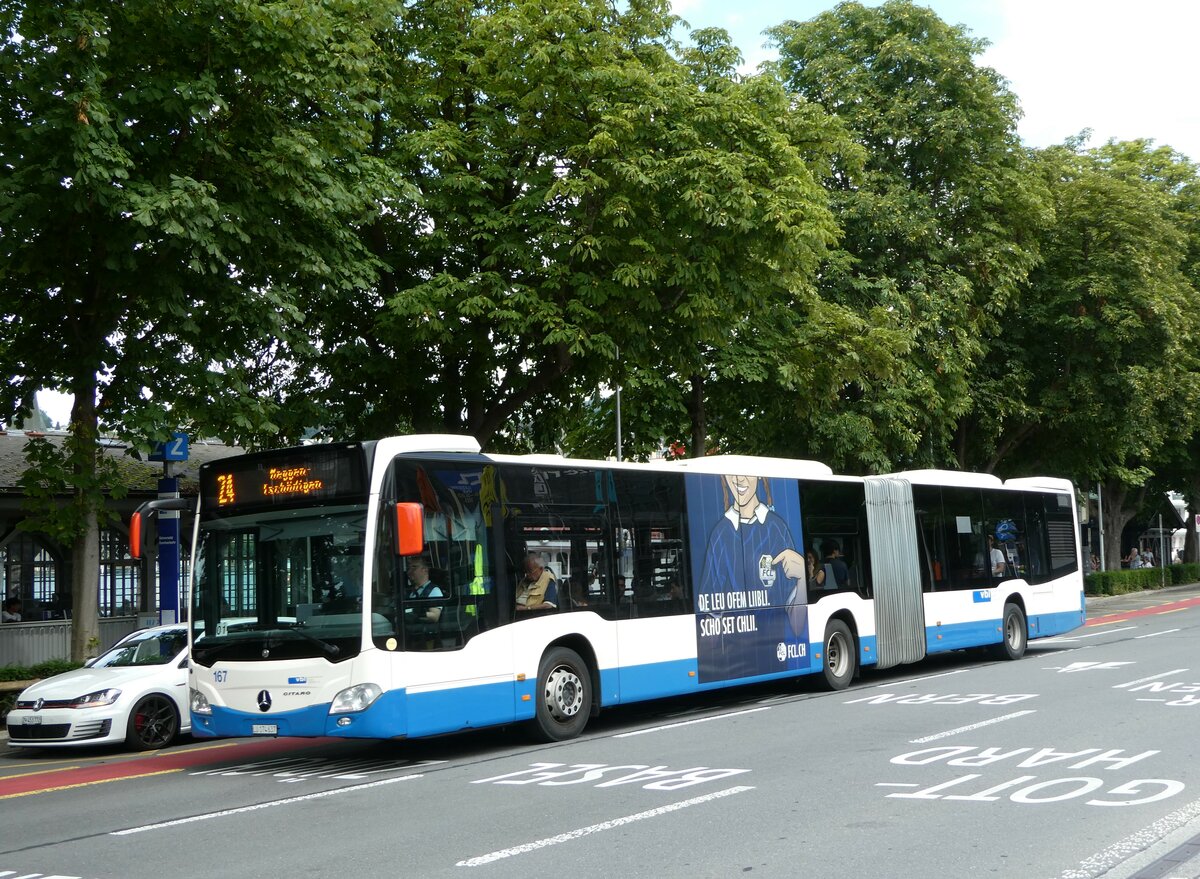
<point x="670" y="578"/>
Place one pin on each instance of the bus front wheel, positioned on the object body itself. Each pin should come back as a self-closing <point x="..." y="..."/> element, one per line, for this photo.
<point x="1014" y="633"/>
<point x="564" y="696"/>
<point x="840" y="656"/>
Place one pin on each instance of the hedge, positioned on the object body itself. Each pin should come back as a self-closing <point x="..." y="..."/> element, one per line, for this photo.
<point x="29" y="673"/>
<point x="36" y="672"/>
<point x="1139" y="579"/>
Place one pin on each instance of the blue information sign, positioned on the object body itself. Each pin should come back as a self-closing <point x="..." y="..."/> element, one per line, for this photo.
<point x="174" y="449"/>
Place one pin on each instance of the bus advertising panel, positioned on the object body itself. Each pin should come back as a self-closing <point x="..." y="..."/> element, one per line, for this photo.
<point x="747" y="544"/>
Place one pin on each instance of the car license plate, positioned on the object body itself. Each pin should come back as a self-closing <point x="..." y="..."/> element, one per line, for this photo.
<point x="264" y="729"/>
<point x="31" y="720"/>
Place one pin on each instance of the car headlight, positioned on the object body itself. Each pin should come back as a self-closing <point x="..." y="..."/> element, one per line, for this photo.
<point x="356" y="698"/>
<point x="92" y="700"/>
<point x="199" y="702"/>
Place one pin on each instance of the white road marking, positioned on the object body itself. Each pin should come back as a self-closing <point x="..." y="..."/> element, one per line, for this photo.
<point x="1104" y="632"/>
<point x="973" y="726"/>
<point x="598" y="828"/>
<point x="1164" y="674"/>
<point x="284" y="802"/>
<point x="1119" y="852"/>
<point x="640" y="732"/>
<point x="1075" y="667"/>
<point x="1156" y="634"/>
<point x="1063" y="650"/>
<point x="926" y="678"/>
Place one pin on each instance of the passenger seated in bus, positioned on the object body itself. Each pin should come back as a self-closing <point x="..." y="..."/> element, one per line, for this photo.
<point x="537" y="589"/>
<point x="994" y="560"/>
<point x="833" y="565"/>
<point x="421" y="589"/>
<point x="579" y="593"/>
<point x="814" y="572"/>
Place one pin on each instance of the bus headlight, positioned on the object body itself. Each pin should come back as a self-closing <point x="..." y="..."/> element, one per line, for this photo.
<point x="199" y="702"/>
<point x="356" y="698"/>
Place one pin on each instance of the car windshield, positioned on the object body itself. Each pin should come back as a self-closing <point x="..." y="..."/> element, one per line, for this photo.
<point x="280" y="584"/>
<point x="144" y="648"/>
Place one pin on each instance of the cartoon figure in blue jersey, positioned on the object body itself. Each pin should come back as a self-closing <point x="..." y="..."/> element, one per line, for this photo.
<point x="750" y="555"/>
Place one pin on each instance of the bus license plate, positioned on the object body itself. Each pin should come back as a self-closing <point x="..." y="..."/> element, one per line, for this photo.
<point x="264" y="729"/>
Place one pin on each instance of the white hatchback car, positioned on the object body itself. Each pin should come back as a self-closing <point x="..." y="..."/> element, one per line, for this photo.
<point x="136" y="692"/>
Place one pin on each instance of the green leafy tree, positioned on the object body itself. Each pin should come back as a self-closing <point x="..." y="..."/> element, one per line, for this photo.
<point x="577" y="186"/>
<point x="177" y="183"/>
<point x="939" y="220"/>
<point x="1102" y="348"/>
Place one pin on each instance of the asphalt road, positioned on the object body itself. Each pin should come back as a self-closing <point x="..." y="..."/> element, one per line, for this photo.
<point x="1081" y="760"/>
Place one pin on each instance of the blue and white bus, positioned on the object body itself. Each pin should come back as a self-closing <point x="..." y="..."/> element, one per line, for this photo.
<point x="384" y="578"/>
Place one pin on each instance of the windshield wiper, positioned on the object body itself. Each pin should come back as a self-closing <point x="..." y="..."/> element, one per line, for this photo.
<point x="330" y="649"/>
<point x="208" y="652"/>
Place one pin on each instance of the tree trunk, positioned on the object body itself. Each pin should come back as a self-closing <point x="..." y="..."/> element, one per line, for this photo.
<point x="1120" y="506"/>
<point x="85" y="568"/>
<point x="1191" y="545"/>
<point x="85" y="594"/>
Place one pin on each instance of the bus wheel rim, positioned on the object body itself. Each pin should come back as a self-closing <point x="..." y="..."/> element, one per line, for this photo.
<point x="564" y="693"/>
<point x="834" y="654"/>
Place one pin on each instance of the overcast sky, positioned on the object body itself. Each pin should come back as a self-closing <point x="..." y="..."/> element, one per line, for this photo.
<point x="1124" y="70"/>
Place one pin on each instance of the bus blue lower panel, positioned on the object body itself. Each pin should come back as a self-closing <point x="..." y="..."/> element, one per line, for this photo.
<point x="958" y="636"/>
<point x="399" y="713"/>
<point x="308" y="721"/>
<point x="1047" y="624"/>
<point x="396" y="713"/>
<point x="439" y="711"/>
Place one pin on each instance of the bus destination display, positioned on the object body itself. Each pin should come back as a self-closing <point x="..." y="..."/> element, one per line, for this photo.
<point x="294" y="477"/>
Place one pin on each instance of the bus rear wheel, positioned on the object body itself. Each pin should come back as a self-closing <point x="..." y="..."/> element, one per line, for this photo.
<point x="841" y="660"/>
<point x="564" y="696"/>
<point x="1014" y="633"/>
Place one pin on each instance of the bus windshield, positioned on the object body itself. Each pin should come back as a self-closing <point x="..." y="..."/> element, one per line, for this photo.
<point x="280" y="584"/>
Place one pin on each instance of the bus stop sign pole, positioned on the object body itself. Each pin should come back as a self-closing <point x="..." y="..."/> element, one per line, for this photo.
<point x="174" y="450"/>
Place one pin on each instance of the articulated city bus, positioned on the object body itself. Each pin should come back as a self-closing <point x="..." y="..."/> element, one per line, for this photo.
<point x="413" y="586"/>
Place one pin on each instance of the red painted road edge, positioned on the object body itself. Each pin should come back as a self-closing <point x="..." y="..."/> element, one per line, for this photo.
<point x="1143" y="612"/>
<point x="155" y="764"/>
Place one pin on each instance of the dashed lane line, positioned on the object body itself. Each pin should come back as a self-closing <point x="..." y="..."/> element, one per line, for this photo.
<point x="481" y="860"/>
<point x="178" y="822"/>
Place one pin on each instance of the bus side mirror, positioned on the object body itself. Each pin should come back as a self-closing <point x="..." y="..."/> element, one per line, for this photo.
<point x="410" y="529"/>
<point x="137" y="522"/>
<point x="135" y="535"/>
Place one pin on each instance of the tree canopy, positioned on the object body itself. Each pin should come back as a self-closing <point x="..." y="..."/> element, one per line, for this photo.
<point x="938" y="211"/>
<point x="179" y="182"/>
<point x="265" y="218"/>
